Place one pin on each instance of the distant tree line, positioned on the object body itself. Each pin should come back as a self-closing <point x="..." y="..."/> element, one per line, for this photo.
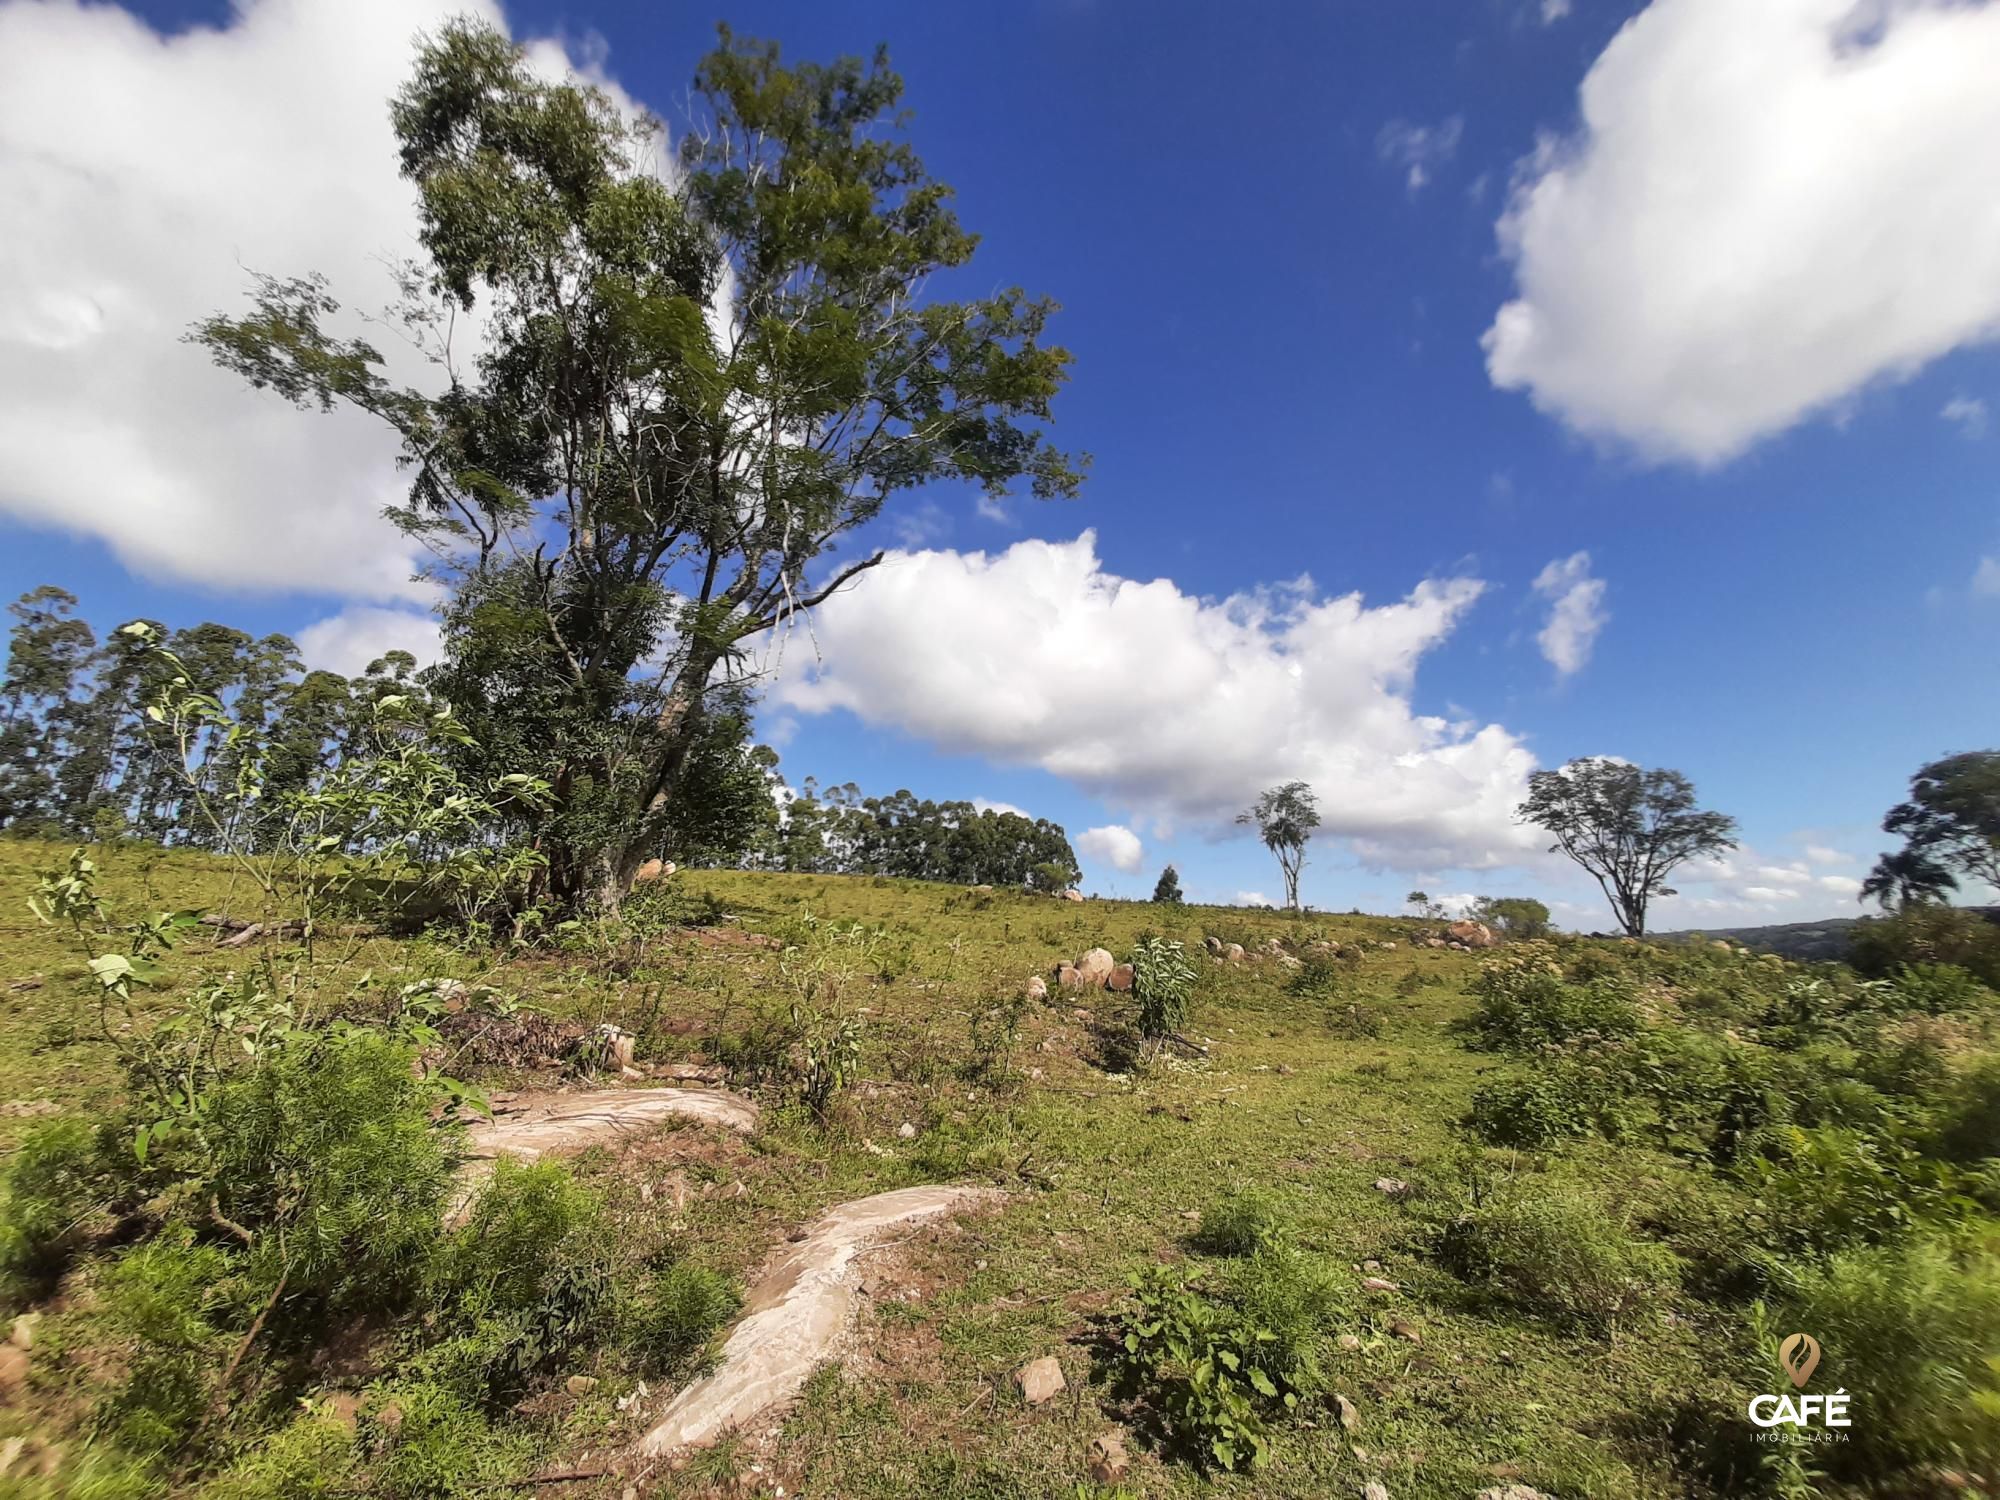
<point x="839" y="831"/>
<point x="80" y="757"/>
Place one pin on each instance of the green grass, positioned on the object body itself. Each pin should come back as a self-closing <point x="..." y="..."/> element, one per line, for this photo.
<point x="1108" y="1173"/>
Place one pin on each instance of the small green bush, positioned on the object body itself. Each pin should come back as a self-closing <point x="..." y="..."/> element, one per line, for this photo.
<point x="1244" y="1222"/>
<point x="1162" y="985"/>
<point x="98" y="1472"/>
<point x="47" y="1189"/>
<point x="331" y="1141"/>
<point x="1912" y="1331"/>
<point x="672" y="1321"/>
<point x="168" y="1298"/>
<point x="1206" y="1370"/>
<point x="1560" y="1102"/>
<point x="1317" y="977"/>
<point x="1524" y="1004"/>
<point x="523" y="1282"/>
<point x="1558" y="1256"/>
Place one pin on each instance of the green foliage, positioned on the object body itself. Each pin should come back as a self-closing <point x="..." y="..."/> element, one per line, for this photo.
<point x="1938" y="990"/>
<point x="1245" y="1222"/>
<point x="1822" y="1189"/>
<point x="1162" y="985"/>
<point x="327" y="1155"/>
<point x="1926" y="934"/>
<point x="996" y="1032"/>
<point x="1916" y="1327"/>
<point x="313" y="1457"/>
<point x="98" y="1472"/>
<point x="1558" y="1256"/>
<point x="520" y="1284"/>
<point x="1518" y="919"/>
<point x="48" y="1188"/>
<point x="1318" y="977"/>
<point x="676" y="1315"/>
<point x="1966" y="1122"/>
<point x="436" y="1444"/>
<point x="1524" y="1003"/>
<point x="1209" y="1373"/>
<point x="168" y="1297"/>
<point x="1952" y="817"/>
<point x="1554" y="1104"/>
<point x="1168" y="889"/>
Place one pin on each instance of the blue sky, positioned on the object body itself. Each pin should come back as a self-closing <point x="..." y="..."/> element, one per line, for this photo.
<point x="1746" y="371"/>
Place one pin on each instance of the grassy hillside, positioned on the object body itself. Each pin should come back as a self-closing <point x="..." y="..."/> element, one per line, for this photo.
<point x="1572" y="1312"/>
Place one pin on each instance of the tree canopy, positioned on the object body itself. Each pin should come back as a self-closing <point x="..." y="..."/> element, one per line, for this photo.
<point x="1167" y="891"/>
<point x="1950" y="825"/>
<point x="694" y="387"/>
<point x="1629" y="827"/>
<point x="1285" y="817"/>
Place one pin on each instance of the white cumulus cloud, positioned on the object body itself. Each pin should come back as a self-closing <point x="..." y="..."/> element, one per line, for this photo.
<point x="1768" y="205"/>
<point x="1576" y="612"/>
<point x="143" y="178"/>
<point x="347" y="642"/>
<point x="1177" y="708"/>
<point x="1114" y="845"/>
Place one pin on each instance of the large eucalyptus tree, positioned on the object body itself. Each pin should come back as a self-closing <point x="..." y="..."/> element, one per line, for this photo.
<point x="697" y="380"/>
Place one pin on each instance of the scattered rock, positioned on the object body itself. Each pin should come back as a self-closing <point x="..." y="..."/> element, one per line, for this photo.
<point x="1379" y="1284"/>
<point x="1374" y="1489"/>
<point x="1069" y="976"/>
<point x="1072" y="894"/>
<point x="906" y="1131"/>
<point x="13" y="1371"/>
<point x="1511" y="1492"/>
<point x="1213" y="944"/>
<point x="1040" y="1380"/>
<point x="649" y="872"/>
<point x="1109" y="1462"/>
<point x="580" y="1385"/>
<point x="1403" y="1328"/>
<point x="1096" y="966"/>
<point x="1233" y="953"/>
<point x="22" y="1334"/>
<point x="982" y="890"/>
<point x="1387" y="947"/>
<point x="1347" y="1414"/>
<point x="1472" y="934"/>
<point x="1348" y="1342"/>
<point x="1120" y="978"/>
<point x="1038" y="987"/>
<point x="1395" y="1187"/>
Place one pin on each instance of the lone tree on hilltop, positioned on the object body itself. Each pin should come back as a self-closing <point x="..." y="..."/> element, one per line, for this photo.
<point x="693" y="387"/>
<point x="1285" y="817"/>
<point x="1168" y="891"/>
<point x="1629" y="827"/>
